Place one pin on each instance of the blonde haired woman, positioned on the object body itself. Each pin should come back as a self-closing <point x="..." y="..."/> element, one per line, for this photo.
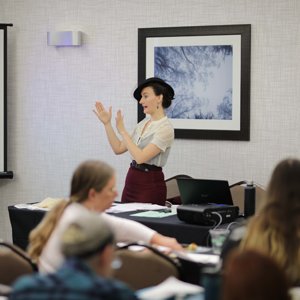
<point x="92" y="188"/>
<point x="276" y="230"/>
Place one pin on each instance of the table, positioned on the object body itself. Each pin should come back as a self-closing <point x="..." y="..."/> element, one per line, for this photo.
<point x="24" y="220"/>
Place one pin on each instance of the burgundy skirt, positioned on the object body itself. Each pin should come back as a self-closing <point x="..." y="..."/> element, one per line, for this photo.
<point x="145" y="187"/>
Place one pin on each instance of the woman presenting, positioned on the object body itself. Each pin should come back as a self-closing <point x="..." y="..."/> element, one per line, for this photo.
<point x="149" y="144"/>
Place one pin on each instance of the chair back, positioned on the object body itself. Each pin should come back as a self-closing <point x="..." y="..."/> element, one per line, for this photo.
<point x="5" y="291"/>
<point x="14" y="262"/>
<point x="145" y="267"/>
<point x="173" y="194"/>
<point x="237" y="194"/>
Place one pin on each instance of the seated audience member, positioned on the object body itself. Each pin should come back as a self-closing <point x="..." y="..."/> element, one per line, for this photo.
<point x="88" y="245"/>
<point x="92" y="188"/>
<point x="275" y="231"/>
<point x="250" y="275"/>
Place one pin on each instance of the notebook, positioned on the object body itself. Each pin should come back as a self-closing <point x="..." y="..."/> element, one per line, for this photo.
<point x="203" y="191"/>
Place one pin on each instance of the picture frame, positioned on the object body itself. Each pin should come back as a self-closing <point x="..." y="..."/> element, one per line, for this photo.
<point x="209" y="69"/>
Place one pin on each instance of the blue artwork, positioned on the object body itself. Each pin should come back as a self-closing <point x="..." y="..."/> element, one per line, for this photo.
<point x="201" y="77"/>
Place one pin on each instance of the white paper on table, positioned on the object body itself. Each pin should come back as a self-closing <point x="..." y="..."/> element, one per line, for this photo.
<point x="30" y="206"/>
<point x="168" y="288"/>
<point x="199" y="257"/>
<point x="295" y="293"/>
<point x="46" y="204"/>
<point x="116" y="208"/>
<point x="125" y="207"/>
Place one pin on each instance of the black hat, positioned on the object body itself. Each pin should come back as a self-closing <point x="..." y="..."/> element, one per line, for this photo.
<point x="137" y="93"/>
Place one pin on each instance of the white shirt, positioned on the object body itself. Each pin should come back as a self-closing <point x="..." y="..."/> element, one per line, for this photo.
<point x="125" y="231"/>
<point x="160" y="133"/>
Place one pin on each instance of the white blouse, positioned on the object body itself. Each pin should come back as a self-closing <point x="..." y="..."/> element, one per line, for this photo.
<point x="125" y="231"/>
<point x="160" y="133"/>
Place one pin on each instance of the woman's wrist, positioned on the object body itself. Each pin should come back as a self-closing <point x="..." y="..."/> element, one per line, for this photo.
<point x="107" y="124"/>
<point x="123" y="132"/>
<point x="165" y="241"/>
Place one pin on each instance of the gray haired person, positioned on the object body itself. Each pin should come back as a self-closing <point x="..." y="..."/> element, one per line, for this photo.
<point x="88" y="247"/>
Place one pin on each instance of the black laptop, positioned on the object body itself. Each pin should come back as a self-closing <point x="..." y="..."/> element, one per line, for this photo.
<point x="203" y="191"/>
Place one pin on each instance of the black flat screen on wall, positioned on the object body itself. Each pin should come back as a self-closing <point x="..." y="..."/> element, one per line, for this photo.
<point x="4" y="173"/>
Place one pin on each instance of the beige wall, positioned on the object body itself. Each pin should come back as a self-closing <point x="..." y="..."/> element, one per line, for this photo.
<point x="52" y="90"/>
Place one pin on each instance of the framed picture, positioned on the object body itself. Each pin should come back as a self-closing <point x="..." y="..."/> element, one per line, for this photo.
<point x="209" y="69"/>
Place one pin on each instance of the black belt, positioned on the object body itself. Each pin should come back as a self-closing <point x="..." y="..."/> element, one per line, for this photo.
<point x="144" y="167"/>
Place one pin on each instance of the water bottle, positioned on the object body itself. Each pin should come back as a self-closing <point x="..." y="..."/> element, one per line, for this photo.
<point x="249" y="199"/>
<point x="211" y="280"/>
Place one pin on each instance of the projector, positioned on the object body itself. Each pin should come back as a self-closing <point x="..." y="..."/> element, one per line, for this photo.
<point x="207" y="214"/>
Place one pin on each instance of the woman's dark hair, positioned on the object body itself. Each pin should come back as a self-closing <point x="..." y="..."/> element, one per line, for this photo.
<point x="250" y="275"/>
<point x="162" y="90"/>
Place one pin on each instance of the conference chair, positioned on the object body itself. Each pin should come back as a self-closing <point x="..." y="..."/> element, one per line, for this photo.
<point x="5" y="291"/>
<point x="144" y="266"/>
<point x="14" y="262"/>
<point x="237" y="193"/>
<point x="173" y="194"/>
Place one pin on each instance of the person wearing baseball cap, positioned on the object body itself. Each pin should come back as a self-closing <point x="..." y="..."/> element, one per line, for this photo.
<point x="149" y="144"/>
<point x="88" y="247"/>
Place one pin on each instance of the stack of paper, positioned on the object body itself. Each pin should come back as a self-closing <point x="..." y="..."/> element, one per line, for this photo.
<point x="171" y="287"/>
<point x="124" y="207"/>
